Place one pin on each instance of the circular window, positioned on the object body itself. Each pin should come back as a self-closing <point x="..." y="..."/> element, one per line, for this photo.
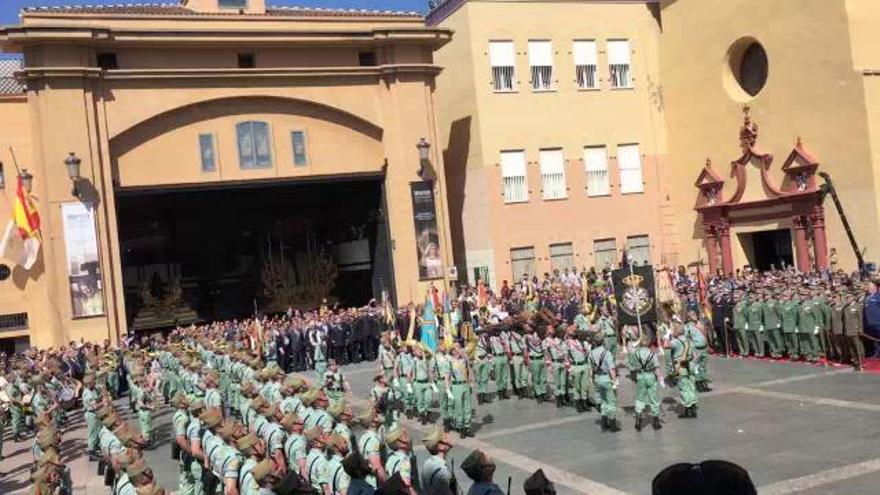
<point x="746" y="69"/>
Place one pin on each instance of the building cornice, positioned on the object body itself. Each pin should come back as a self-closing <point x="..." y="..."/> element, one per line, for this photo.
<point x="445" y="8"/>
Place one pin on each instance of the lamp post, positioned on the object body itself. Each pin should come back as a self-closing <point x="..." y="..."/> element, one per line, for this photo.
<point x="27" y="180"/>
<point x="424" y="148"/>
<point x="72" y="162"/>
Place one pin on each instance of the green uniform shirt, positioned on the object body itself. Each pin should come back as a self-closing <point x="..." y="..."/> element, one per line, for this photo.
<point x="809" y="317"/>
<point x="643" y="360"/>
<point x="755" y="317"/>
<point x="398" y="462"/>
<point x="316" y="469"/>
<point x="435" y="476"/>
<point x="740" y="312"/>
<point x="789" y="311"/>
<point x="853" y="324"/>
<point x="772" y="314"/>
<point x="294" y="449"/>
<point x="337" y="476"/>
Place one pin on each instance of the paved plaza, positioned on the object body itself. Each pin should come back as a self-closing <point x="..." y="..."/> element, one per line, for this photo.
<point x="796" y="428"/>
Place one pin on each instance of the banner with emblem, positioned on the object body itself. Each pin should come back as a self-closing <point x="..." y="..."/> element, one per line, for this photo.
<point x="635" y="294"/>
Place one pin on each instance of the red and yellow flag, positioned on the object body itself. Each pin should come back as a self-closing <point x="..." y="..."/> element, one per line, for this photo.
<point x="21" y="241"/>
<point x="27" y="220"/>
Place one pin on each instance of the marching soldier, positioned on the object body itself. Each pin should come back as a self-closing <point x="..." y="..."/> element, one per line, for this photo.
<point x="436" y="477"/>
<point x="370" y="445"/>
<point x="338" y="480"/>
<point x="397" y="440"/>
<point x="295" y="445"/>
<point x="577" y="370"/>
<point x="536" y="361"/>
<point x="482" y="366"/>
<point x="421" y="382"/>
<point x="90" y="406"/>
<point x="605" y="379"/>
<point x="441" y="368"/>
<point x="608" y="330"/>
<point x="853" y="329"/>
<point x="404" y="378"/>
<point x="772" y="327"/>
<point x="316" y="460"/>
<point x="342" y="414"/>
<point x="741" y="322"/>
<point x="755" y="329"/>
<point x="643" y="365"/>
<point x="459" y="385"/>
<point x="515" y="343"/>
<point x="500" y="362"/>
<point x="334" y="383"/>
<point x="809" y="324"/>
<point x="144" y="406"/>
<point x="682" y="370"/>
<point x="693" y="331"/>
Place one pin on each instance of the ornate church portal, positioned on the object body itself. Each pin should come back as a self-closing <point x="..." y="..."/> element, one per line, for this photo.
<point x="763" y="217"/>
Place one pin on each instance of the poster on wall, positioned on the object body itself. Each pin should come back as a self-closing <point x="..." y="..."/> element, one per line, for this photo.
<point x="427" y="236"/>
<point x="83" y="266"/>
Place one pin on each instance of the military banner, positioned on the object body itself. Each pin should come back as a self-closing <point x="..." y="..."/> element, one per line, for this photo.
<point x="635" y="294"/>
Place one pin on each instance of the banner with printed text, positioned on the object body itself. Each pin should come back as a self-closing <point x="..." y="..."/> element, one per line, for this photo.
<point x="427" y="236"/>
<point x="83" y="265"/>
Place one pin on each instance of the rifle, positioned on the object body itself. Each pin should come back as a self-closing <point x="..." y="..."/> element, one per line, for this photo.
<point x="509" y="480"/>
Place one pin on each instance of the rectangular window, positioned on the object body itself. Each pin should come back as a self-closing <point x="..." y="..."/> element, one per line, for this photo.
<point x="503" y="61"/>
<point x="522" y="262"/>
<point x="585" y="64"/>
<point x="232" y="4"/>
<point x="107" y="61"/>
<point x="513" y="176"/>
<point x="541" y="63"/>
<point x="619" y="63"/>
<point x="638" y="248"/>
<point x="298" y="138"/>
<point x="604" y="253"/>
<point x="246" y="61"/>
<point x="206" y="149"/>
<point x="366" y="59"/>
<point x="596" y="166"/>
<point x="553" y="174"/>
<point x="630" y="163"/>
<point x="482" y="273"/>
<point x="254" y="145"/>
<point x="561" y="256"/>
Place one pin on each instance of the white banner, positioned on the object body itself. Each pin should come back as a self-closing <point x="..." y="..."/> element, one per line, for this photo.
<point x="83" y="265"/>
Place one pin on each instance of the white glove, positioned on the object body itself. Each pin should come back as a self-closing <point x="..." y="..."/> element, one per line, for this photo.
<point x="816" y="331"/>
<point x="409" y="388"/>
<point x="761" y="328"/>
<point x="662" y="382"/>
<point x="615" y="384"/>
<point x="747" y="325"/>
<point x="449" y="394"/>
<point x="434" y="388"/>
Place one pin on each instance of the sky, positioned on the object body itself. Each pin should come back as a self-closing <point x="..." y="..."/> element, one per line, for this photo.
<point x="9" y="8"/>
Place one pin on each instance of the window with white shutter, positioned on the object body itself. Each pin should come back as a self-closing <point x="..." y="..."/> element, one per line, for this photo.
<point x="522" y="262"/>
<point x="562" y="256"/>
<point x="630" y="163"/>
<point x="619" y="63"/>
<point x="503" y="61"/>
<point x="604" y="253"/>
<point x="638" y="249"/>
<point x="584" y="52"/>
<point x="513" y="176"/>
<point x="553" y="174"/>
<point x="596" y="168"/>
<point x="541" y="63"/>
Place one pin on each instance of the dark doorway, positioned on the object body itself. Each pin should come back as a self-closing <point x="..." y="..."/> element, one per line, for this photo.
<point x="218" y="253"/>
<point x="771" y="249"/>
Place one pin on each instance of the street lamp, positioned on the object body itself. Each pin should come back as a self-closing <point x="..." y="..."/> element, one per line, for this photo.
<point x="424" y="147"/>
<point x="27" y="180"/>
<point x="72" y="162"/>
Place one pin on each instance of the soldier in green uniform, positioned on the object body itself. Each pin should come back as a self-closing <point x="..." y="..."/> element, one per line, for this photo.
<point x="422" y="382"/>
<point x="334" y="383"/>
<point x="577" y="369"/>
<point x="387" y="358"/>
<point x="403" y="386"/>
<point x="398" y="462"/>
<point x="809" y="325"/>
<point x="436" y="476"/>
<point x="682" y="370"/>
<point x="853" y="328"/>
<point x="605" y="379"/>
<point x="515" y="343"/>
<point x="693" y="332"/>
<point x="537" y="363"/>
<point x="789" y="310"/>
<point x="555" y="350"/>
<point x="441" y="367"/>
<point x="755" y="329"/>
<point x="482" y="366"/>
<point x="90" y="406"/>
<point x="824" y="321"/>
<point x="773" y="325"/>
<point x="295" y="444"/>
<point x="13" y="391"/>
<point x="370" y="445"/>
<point x="179" y="422"/>
<point x="144" y="405"/>
<point x="250" y="447"/>
<point x="316" y="460"/>
<point x="644" y="365"/>
<point x="741" y="322"/>
<point x="194" y="439"/>
<point x="837" y="306"/>
<point x="459" y="384"/>
<point x="338" y="480"/>
<point x="343" y="415"/>
<point x="500" y="361"/>
<point x="608" y="330"/>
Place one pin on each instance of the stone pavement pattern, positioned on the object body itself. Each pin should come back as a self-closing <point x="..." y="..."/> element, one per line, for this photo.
<point x="796" y="428"/>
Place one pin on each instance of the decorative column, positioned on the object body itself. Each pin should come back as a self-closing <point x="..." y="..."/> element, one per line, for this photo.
<point x="709" y="234"/>
<point x="820" y="245"/>
<point x="726" y="254"/>
<point x="801" y="247"/>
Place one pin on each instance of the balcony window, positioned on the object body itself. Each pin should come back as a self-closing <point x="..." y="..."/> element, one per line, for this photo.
<point x="619" y="63"/>
<point x="541" y="64"/>
<point x="553" y="174"/>
<point x="254" y="146"/>
<point x="585" y="64"/>
<point x="513" y="176"/>
<point x="503" y="61"/>
<point x="596" y="168"/>
<point x="522" y="262"/>
<point x="630" y="163"/>
<point x="604" y="253"/>
<point x="638" y="248"/>
<point x="206" y="150"/>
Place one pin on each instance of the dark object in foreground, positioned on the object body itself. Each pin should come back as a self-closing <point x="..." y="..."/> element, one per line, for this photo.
<point x="705" y="478"/>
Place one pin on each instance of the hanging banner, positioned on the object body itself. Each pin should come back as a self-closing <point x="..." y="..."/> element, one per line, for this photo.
<point x="83" y="267"/>
<point x="635" y="294"/>
<point x="427" y="237"/>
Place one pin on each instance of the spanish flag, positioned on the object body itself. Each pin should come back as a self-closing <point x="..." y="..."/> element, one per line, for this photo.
<point x="21" y="241"/>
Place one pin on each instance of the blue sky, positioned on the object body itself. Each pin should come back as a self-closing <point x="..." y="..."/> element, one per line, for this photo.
<point x="9" y="8"/>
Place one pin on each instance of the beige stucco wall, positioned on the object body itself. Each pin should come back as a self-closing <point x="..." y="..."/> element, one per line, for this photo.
<point x="138" y="127"/>
<point x="815" y="90"/>
<point x="566" y="118"/>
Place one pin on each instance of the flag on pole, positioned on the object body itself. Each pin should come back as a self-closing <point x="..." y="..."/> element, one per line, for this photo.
<point x="703" y="294"/>
<point x="448" y="327"/>
<point x="21" y="241"/>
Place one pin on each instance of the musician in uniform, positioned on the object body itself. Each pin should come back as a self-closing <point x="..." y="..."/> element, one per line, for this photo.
<point x="644" y="365"/>
<point x="436" y="476"/>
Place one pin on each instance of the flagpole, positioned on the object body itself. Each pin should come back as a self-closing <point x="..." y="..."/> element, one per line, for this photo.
<point x="14" y="160"/>
<point x="638" y="313"/>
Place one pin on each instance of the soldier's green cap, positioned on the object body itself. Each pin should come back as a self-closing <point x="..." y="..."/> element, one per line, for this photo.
<point x="50" y="457"/>
<point x="336" y="409"/>
<point x="473" y="464"/>
<point x="368" y="416"/>
<point x="179" y="401"/>
<point x="246" y="442"/>
<point x="309" y="396"/>
<point x="211" y="418"/>
<point x="150" y="489"/>
<point x="103" y="412"/>
<point x="290" y="420"/>
<point x="196" y="406"/>
<point x="46" y="438"/>
<point x="433" y="438"/>
<point x="261" y="470"/>
<point x="393" y="435"/>
<point x="136" y="468"/>
<point x="314" y="433"/>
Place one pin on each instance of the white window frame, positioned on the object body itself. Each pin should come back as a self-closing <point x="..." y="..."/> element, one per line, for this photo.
<point x="514" y="176"/>
<point x="502" y="59"/>
<point x="586" y="64"/>
<point x="604" y="253"/>
<point x="629" y="164"/>
<point x="596" y="170"/>
<point x="619" y="63"/>
<point x="643" y="255"/>
<point x="541" y="65"/>
<point x="522" y="255"/>
<point x="553" y="184"/>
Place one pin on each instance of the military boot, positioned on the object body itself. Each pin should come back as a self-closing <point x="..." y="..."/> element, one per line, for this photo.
<point x="613" y="425"/>
<point x="639" y="422"/>
<point x="656" y="424"/>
